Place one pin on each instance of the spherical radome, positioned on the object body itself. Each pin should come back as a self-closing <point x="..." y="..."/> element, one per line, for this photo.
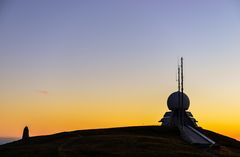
<point x="174" y="98"/>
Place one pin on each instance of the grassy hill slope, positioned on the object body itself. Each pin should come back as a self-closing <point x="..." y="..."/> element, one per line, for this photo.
<point x="141" y="141"/>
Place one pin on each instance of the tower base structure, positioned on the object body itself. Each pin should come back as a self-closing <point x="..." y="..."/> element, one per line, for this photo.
<point x="171" y="119"/>
<point x="188" y="130"/>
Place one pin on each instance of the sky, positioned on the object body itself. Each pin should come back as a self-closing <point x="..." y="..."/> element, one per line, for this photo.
<point x="71" y="65"/>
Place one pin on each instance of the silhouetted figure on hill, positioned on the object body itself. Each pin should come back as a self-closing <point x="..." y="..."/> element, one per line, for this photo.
<point x="25" y="135"/>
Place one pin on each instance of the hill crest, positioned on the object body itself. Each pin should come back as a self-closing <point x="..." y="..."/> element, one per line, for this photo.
<point x="139" y="141"/>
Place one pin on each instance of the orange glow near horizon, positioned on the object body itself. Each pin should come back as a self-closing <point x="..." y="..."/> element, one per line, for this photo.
<point x="47" y="114"/>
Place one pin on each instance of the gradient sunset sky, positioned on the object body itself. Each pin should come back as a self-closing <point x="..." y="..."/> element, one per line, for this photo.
<point x="70" y="64"/>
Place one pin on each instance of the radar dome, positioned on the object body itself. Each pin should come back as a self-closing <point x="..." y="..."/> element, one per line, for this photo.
<point x="173" y="101"/>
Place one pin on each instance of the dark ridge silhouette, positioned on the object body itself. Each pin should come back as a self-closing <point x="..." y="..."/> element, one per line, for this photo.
<point x="139" y="141"/>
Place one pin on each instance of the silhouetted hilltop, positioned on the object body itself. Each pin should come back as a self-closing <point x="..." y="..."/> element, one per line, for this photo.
<point x="140" y="141"/>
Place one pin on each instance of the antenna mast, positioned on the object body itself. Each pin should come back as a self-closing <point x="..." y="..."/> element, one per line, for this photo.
<point x="178" y="79"/>
<point x="179" y="97"/>
<point x="181" y="74"/>
<point x="181" y="109"/>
